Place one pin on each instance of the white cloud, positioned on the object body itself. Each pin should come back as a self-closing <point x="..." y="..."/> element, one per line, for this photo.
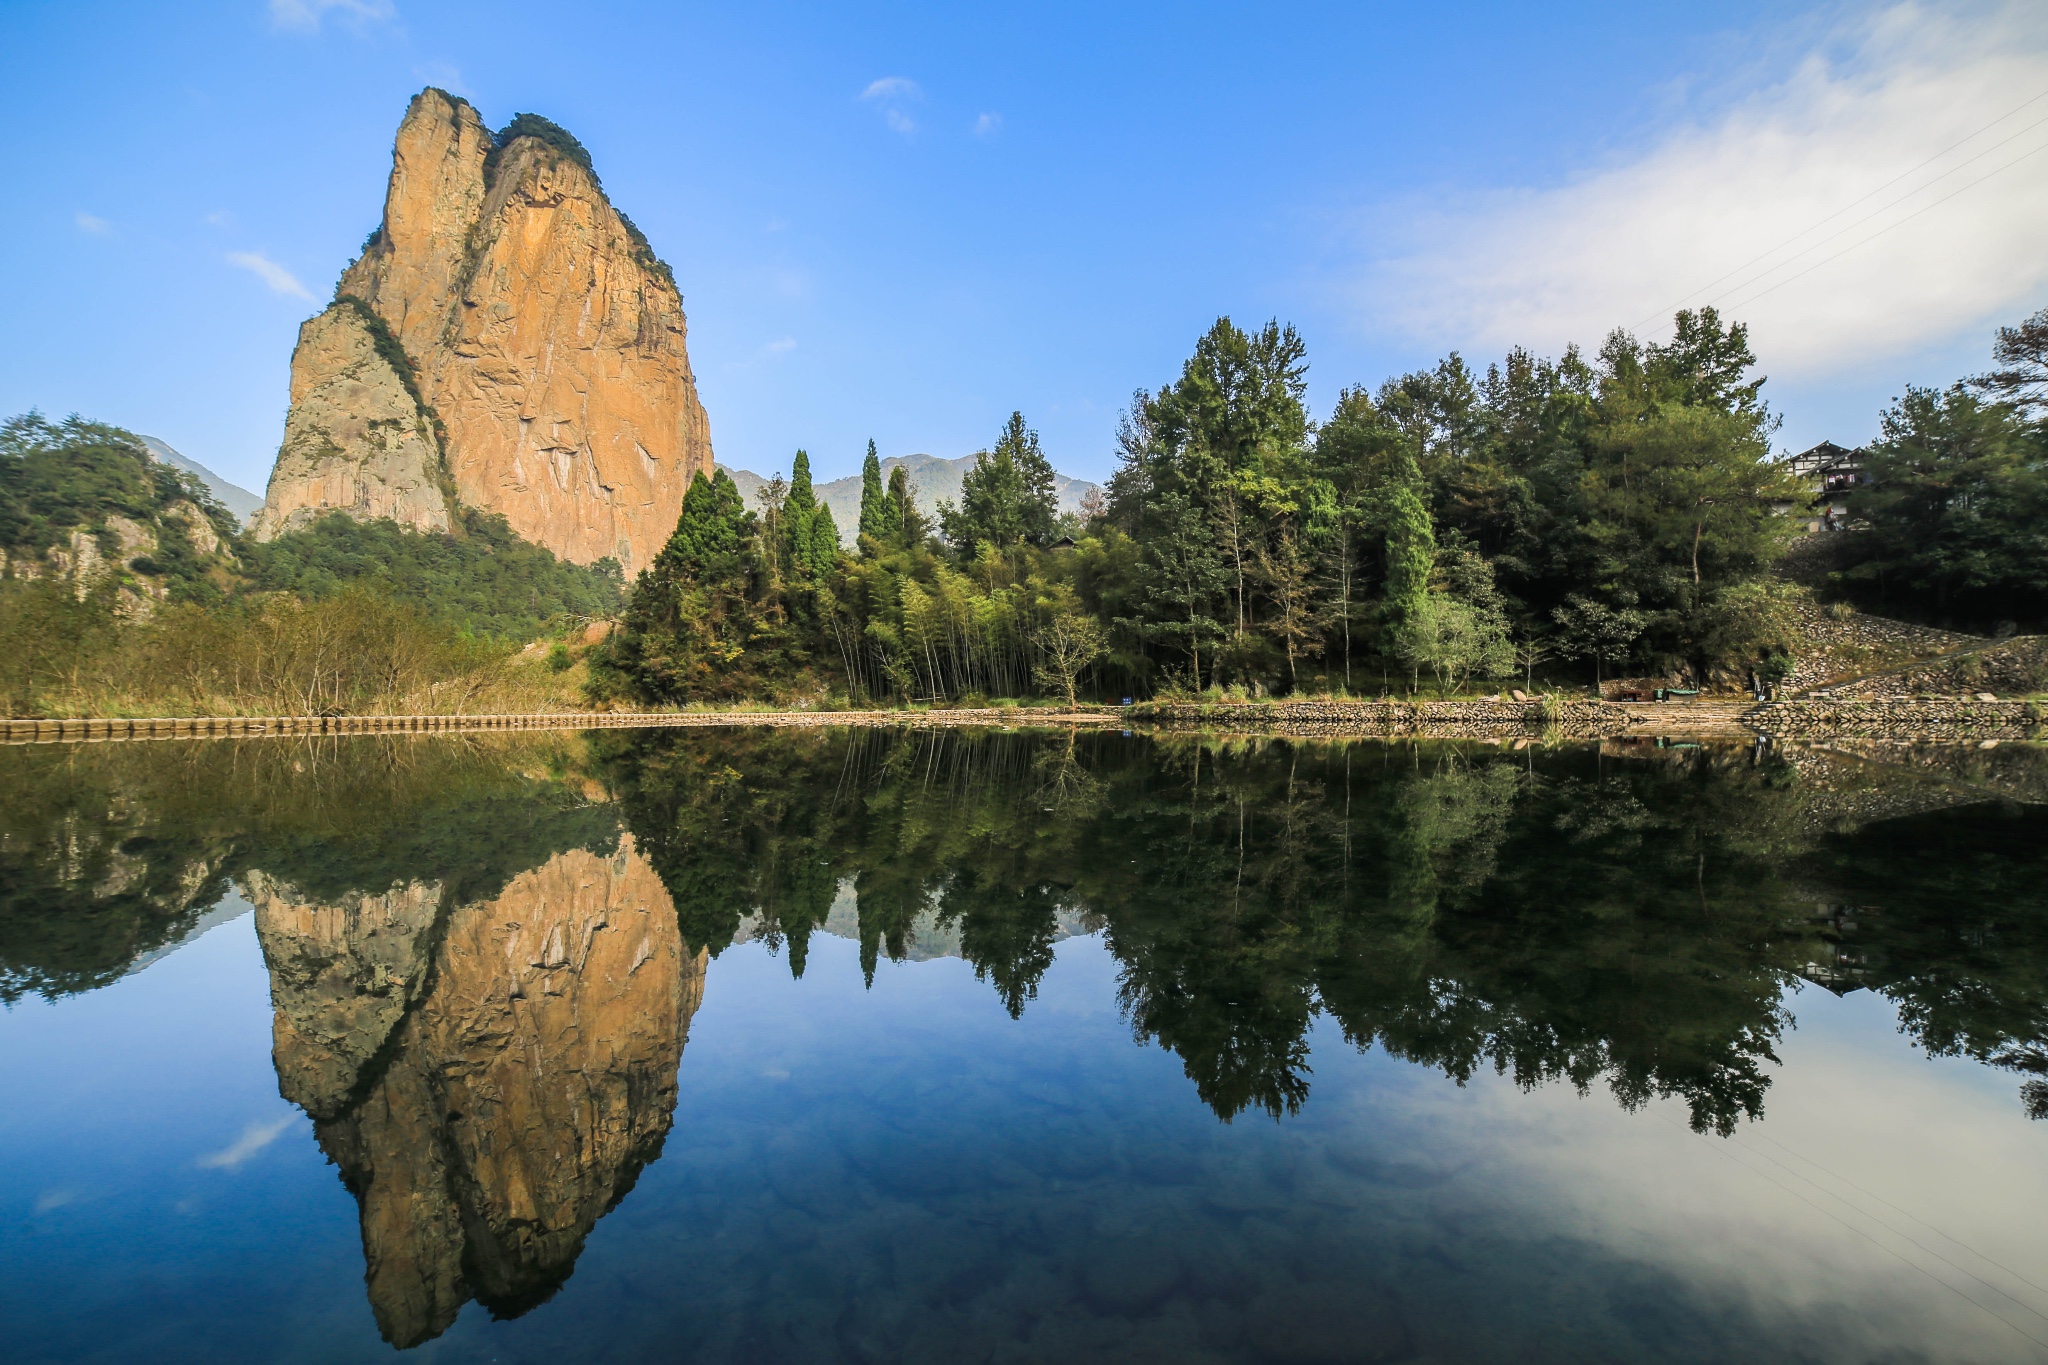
<point x="893" y="88"/>
<point x="304" y="16"/>
<point x="280" y="280"/>
<point x="892" y="93"/>
<point x="254" y="1139"/>
<point x="779" y="347"/>
<point x="98" y="227"/>
<point x="987" y="124"/>
<point x="1884" y="260"/>
<point x="220" y="218"/>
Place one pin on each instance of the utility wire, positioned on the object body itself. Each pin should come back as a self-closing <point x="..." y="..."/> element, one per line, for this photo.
<point x="1744" y="303"/>
<point x="1836" y="1218"/>
<point x="1908" y="1213"/>
<point x="1853" y="203"/>
<point x="2022" y="1304"/>
<point x="1881" y="210"/>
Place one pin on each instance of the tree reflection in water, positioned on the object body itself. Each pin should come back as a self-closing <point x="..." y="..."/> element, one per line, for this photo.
<point x="1632" y="918"/>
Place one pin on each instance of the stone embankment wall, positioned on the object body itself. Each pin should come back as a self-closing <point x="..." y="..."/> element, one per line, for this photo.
<point x="1444" y="718"/>
<point x="1821" y="718"/>
<point x="2018" y="665"/>
<point x="1847" y="646"/>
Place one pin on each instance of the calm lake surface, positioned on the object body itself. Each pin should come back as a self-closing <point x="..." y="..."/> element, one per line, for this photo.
<point x="777" y="1046"/>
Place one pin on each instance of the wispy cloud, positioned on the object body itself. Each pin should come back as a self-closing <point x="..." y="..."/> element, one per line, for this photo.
<point x="280" y="280"/>
<point x="987" y="124"/>
<point x="892" y="93"/>
<point x="777" y="348"/>
<point x="1886" y="196"/>
<point x="219" y="218"/>
<point x="893" y="88"/>
<point x="254" y="1139"/>
<point x="88" y="223"/>
<point x="304" y="16"/>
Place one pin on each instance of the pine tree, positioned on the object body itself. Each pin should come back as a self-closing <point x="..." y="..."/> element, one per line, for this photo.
<point x="1007" y="498"/>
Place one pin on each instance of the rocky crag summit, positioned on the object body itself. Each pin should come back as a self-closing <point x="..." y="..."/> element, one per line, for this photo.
<point x="507" y="341"/>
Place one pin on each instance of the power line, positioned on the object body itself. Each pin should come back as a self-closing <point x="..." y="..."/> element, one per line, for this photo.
<point x="1889" y="226"/>
<point x="1883" y="209"/>
<point x="1833" y="1217"/>
<point x="1853" y="203"/>
<point x="1834" y="1174"/>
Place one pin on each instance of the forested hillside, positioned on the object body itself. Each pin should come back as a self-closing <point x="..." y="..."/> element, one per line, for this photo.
<point x="124" y="586"/>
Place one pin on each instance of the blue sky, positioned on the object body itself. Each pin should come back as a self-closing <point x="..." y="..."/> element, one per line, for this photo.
<point x="904" y="221"/>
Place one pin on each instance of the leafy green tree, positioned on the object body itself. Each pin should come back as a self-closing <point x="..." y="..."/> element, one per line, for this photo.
<point x="1590" y="629"/>
<point x="1069" y="641"/>
<point x="1957" y="510"/>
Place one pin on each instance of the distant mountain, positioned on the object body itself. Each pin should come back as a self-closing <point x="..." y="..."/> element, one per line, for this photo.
<point x="238" y="500"/>
<point x="931" y="479"/>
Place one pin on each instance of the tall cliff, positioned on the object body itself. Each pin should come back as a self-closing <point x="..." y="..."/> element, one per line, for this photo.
<point x="533" y="358"/>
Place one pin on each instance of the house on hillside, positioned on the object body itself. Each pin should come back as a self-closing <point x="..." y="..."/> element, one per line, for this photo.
<point x="1833" y="473"/>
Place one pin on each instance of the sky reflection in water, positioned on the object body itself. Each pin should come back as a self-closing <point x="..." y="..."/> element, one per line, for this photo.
<point x="534" y="1002"/>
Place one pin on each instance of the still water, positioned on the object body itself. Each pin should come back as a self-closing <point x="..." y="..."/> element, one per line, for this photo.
<point x="857" y="1046"/>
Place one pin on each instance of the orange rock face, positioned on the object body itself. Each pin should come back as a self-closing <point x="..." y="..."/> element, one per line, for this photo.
<point x="546" y="336"/>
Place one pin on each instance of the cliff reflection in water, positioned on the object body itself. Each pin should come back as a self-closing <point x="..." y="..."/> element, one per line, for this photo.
<point x="490" y="1082"/>
<point x="485" y="954"/>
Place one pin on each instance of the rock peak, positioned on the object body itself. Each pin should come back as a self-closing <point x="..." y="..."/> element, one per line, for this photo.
<point x="546" y="344"/>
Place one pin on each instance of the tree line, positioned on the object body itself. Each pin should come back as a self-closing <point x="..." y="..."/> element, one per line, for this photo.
<point x="1450" y="525"/>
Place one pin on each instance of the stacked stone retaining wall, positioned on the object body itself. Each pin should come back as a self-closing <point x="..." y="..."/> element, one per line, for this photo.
<point x="1903" y="719"/>
<point x="2018" y="665"/>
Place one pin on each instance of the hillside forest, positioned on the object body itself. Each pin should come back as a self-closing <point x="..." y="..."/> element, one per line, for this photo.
<point x="1566" y="518"/>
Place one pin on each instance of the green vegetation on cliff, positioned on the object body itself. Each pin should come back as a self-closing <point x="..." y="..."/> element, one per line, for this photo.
<point x="58" y="479"/>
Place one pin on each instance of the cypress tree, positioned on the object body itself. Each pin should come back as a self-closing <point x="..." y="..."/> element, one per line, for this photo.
<point x="800" y="511"/>
<point x="874" y="516"/>
<point x="821" y="547"/>
<point x="1411" y="544"/>
<point x="907" y="526"/>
